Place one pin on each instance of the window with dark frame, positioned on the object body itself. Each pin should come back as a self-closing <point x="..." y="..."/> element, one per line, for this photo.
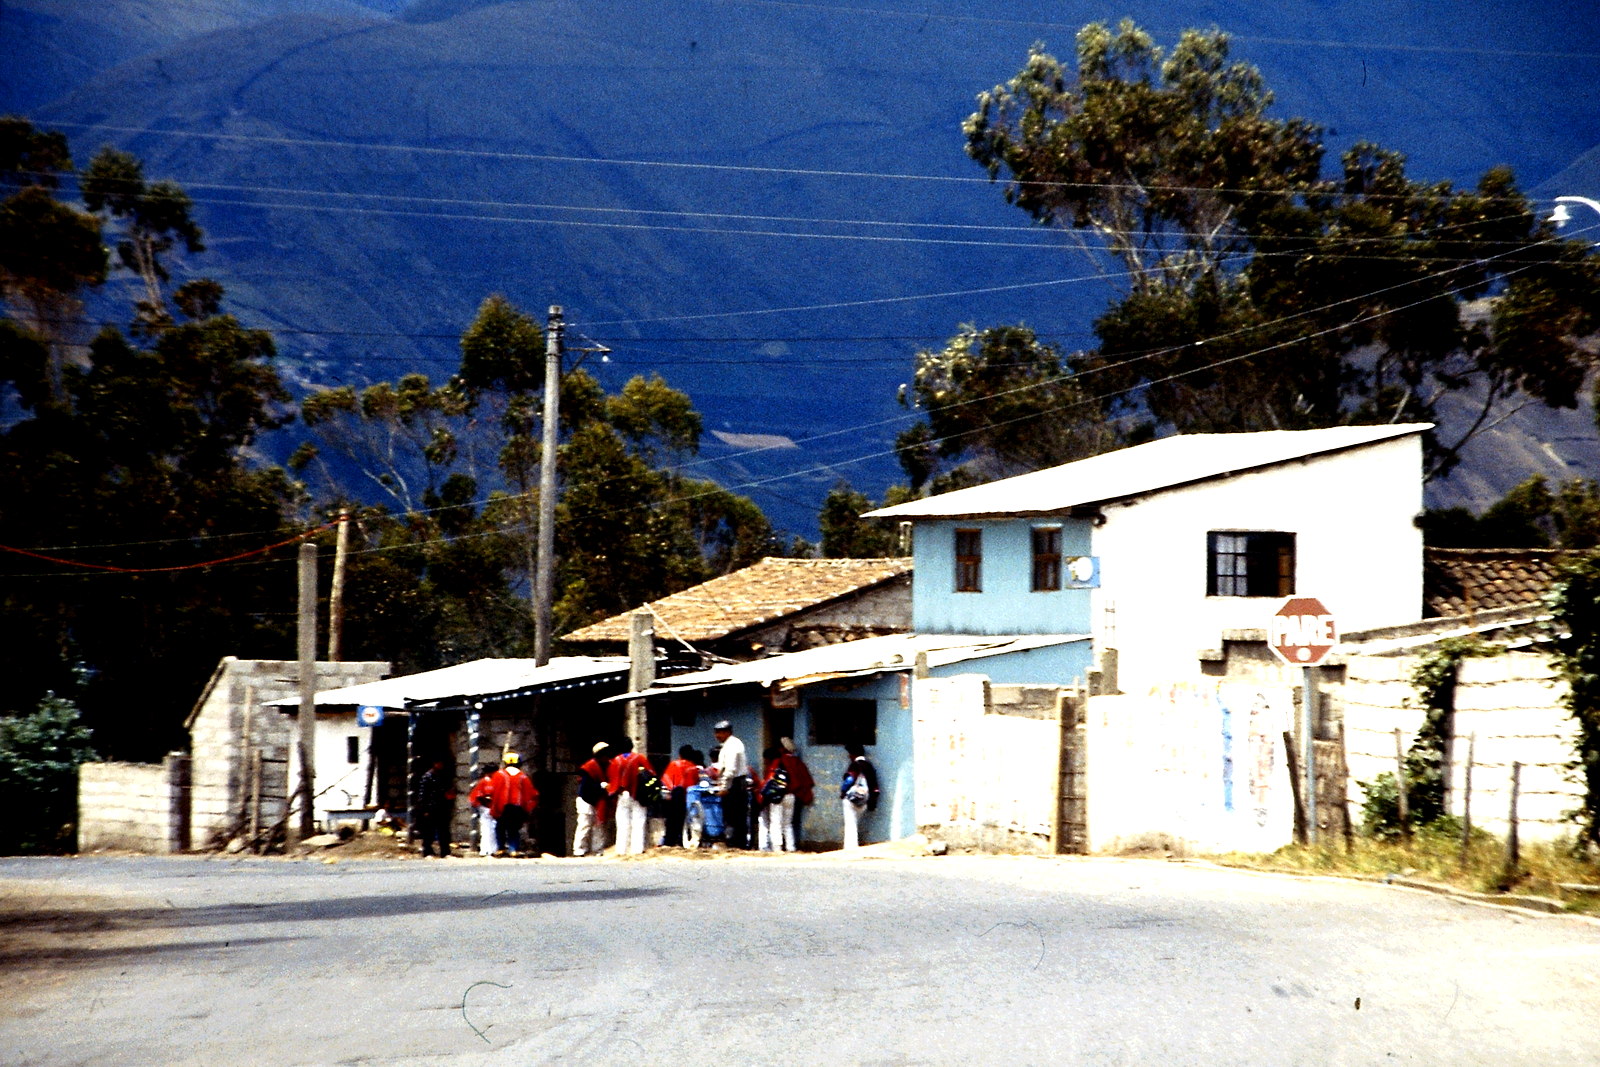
<point x="969" y="561"/>
<point x="1250" y="563"/>
<point x="1046" y="558"/>
<point x="840" y="720"/>
<point x="352" y="750"/>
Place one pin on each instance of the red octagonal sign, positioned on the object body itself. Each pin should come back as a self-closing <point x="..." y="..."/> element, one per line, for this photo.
<point x="1302" y="631"/>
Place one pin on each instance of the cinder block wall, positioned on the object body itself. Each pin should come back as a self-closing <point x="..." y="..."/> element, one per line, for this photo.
<point x="229" y="725"/>
<point x="1511" y="701"/>
<point x="126" y="806"/>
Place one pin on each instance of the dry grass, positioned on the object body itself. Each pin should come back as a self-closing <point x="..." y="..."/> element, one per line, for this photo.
<point x="1431" y="856"/>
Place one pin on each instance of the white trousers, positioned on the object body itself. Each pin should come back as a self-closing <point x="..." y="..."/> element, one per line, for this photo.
<point x="590" y="837"/>
<point x="486" y="835"/>
<point x="775" y="830"/>
<point x="630" y="823"/>
<point x="852" y="823"/>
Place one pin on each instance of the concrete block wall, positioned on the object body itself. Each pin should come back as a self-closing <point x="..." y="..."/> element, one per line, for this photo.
<point x="1374" y="699"/>
<point x="1511" y="703"/>
<point x="222" y="746"/>
<point x="128" y="806"/>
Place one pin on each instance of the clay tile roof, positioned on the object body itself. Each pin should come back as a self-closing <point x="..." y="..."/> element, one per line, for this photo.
<point x="1461" y="581"/>
<point x="760" y="593"/>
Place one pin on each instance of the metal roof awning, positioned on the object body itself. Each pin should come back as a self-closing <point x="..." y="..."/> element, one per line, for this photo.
<point x="485" y="679"/>
<point x="853" y="659"/>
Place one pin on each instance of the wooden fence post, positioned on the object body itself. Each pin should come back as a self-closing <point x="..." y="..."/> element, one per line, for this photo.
<point x="1344" y="803"/>
<point x="1294" y="787"/>
<point x="1512" y="853"/>
<point x="1400" y="787"/>
<point x="1466" y="799"/>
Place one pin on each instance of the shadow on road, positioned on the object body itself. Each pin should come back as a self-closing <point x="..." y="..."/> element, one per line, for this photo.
<point x="372" y="906"/>
<point x="67" y="955"/>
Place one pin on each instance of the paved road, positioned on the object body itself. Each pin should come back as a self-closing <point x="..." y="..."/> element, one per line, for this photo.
<point x="961" y="960"/>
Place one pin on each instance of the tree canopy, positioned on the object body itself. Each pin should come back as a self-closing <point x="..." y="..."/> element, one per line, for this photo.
<point x="126" y="461"/>
<point x="1255" y="289"/>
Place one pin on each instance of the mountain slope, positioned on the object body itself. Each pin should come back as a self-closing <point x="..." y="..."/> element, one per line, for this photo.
<point x="365" y="181"/>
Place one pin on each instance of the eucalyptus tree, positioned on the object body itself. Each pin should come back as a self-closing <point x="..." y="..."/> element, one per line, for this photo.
<point x="1256" y="284"/>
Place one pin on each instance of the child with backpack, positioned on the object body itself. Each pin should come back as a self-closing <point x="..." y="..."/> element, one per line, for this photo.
<point x="775" y="832"/>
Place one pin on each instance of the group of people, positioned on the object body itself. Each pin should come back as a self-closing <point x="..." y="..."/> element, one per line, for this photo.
<point x="762" y="807"/>
<point x="503" y="799"/>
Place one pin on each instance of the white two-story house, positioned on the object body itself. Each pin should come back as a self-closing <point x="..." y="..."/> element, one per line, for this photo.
<point x="1162" y="549"/>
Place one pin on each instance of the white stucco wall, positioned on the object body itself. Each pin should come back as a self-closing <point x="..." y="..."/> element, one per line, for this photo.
<point x="1190" y="767"/>
<point x="1356" y="544"/>
<point x="338" y="782"/>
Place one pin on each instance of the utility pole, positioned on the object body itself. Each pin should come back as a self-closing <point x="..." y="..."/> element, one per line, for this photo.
<point x="641" y="675"/>
<point x="336" y="595"/>
<point x="308" y="683"/>
<point x="544" y="578"/>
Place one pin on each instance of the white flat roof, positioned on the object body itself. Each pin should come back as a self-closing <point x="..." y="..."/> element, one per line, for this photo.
<point x="1141" y="469"/>
<point x="482" y="677"/>
<point x="870" y="655"/>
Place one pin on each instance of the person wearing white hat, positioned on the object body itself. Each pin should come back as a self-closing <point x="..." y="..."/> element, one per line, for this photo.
<point x="590" y="836"/>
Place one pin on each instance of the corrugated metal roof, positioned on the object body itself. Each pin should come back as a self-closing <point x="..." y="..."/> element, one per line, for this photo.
<point x="870" y="655"/>
<point x="479" y="678"/>
<point x="1142" y="469"/>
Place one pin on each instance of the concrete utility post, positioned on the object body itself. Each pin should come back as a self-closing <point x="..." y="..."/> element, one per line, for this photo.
<point x="641" y="674"/>
<point x="544" y="576"/>
<point x="308" y="684"/>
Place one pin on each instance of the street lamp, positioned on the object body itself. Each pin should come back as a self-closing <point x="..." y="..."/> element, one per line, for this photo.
<point x="1561" y="216"/>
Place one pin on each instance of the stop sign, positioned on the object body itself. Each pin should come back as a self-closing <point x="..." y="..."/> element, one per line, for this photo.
<point x="1302" y="631"/>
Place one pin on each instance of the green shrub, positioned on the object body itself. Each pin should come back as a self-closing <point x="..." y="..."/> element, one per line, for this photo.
<point x="39" y="757"/>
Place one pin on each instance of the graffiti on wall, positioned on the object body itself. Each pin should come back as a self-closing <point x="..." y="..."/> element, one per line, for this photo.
<point x="1206" y="760"/>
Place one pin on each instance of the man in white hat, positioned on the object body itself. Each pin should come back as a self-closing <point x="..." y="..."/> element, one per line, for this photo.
<point x="733" y="775"/>
<point x="590" y="836"/>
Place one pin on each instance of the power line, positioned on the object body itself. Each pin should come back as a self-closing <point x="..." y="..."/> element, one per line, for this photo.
<point x="1325" y="189"/>
<point x="175" y="567"/>
<point x="1254" y="237"/>
<point x="880" y="453"/>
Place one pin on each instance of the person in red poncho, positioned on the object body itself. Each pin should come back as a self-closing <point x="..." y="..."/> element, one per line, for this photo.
<point x="622" y="782"/>
<point x="512" y="800"/>
<point x="591" y="805"/>
<point x="801" y="784"/>
<point x="680" y="774"/>
<point x="482" y="800"/>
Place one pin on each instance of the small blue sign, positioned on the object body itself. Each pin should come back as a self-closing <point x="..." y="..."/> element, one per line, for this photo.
<point x="1081" y="572"/>
<point x="369" y="715"/>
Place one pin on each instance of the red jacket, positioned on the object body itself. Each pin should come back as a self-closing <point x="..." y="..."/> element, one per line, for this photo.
<point x="482" y="792"/>
<point x="624" y="774"/>
<point x="680" y="774"/>
<point x="801" y="784"/>
<point x="511" y="788"/>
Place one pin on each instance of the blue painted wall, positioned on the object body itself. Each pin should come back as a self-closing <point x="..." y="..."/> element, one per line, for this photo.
<point x="1006" y="604"/>
<point x="744" y="708"/>
<point x="1056" y="665"/>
